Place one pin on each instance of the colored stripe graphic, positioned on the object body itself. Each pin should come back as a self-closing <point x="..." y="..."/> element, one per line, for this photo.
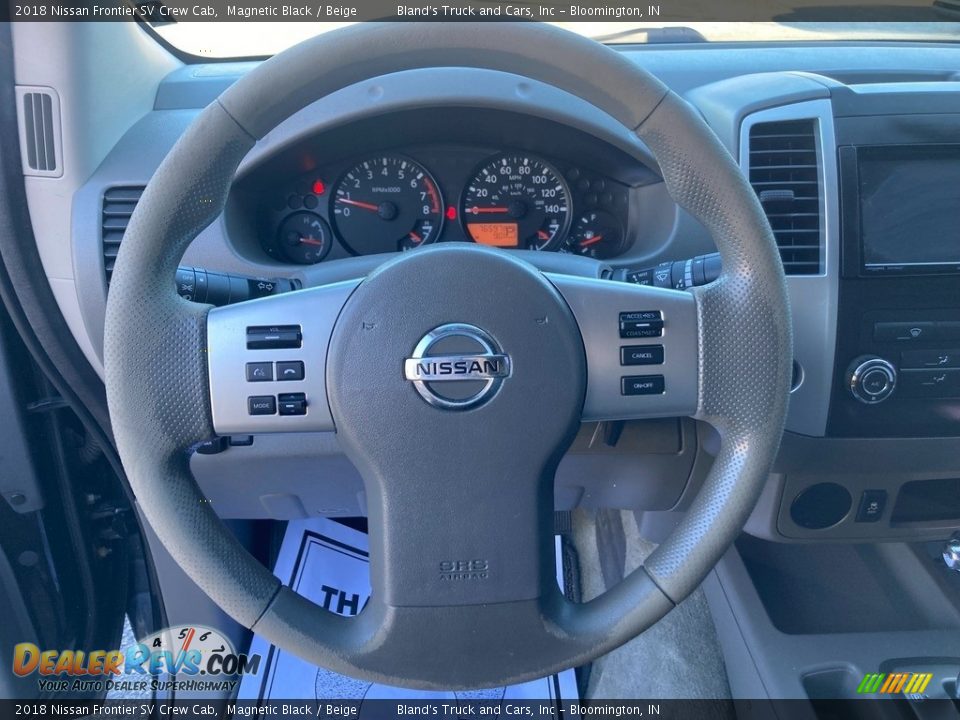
<point x="901" y="681"/>
<point x="870" y="683"/>
<point x="891" y="681"/>
<point x="907" y="683"/>
<point x="919" y="683"/>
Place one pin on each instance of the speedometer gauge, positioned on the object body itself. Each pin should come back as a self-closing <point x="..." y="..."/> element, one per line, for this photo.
<point x="386" y="204"/>
<point x="516" y="201"/>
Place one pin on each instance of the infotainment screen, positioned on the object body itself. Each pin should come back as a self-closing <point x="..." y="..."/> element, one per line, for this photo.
<point x="910" y="208"/>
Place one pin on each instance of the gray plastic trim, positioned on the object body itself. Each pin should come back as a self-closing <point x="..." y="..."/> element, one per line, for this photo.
<point x="596" y="305"/>
<point x="19" y="484"/>
<point x="137" y="155"/>
<point x="760" y="657"/>
<point x="858" y="464"/>
<point x="55" y="130"/>
<point x="315" y="311"/>
<point x="101" y="99"/>
<point x="813" y="298"/>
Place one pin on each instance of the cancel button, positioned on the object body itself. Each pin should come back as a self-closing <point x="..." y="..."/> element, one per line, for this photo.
<point x="641" y="355"/>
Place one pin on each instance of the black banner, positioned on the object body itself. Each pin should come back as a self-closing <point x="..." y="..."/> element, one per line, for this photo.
<point x="561" y="11"/>
<point x="453" y="708"/>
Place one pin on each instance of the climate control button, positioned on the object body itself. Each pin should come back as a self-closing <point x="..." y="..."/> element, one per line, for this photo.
<point x="871" y="379"/>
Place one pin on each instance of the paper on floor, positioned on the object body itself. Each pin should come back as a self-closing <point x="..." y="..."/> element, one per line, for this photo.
<point x="327" y="563"/>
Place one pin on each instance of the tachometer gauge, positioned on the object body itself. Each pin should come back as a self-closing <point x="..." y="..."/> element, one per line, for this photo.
<point x="516" y="201"/>
<point x="386" y="204"/>
<point x="596" y="234"/>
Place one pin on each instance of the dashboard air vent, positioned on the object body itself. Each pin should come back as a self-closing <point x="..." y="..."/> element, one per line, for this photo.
<point x="118" y="205"/>
<point x="784" y="174"/>
<point x="39" y="110"/>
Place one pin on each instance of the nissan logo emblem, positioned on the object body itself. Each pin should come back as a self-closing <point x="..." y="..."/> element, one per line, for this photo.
<point x="457" y="366"/>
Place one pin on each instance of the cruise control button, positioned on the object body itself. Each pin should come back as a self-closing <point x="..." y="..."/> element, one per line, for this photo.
<point x="259" y="371"/>
<point x="641" y="324"/>
<point x="638" y="329"/>
<point x="641" y="315"/>
<point x="262" y="405"/>
<point x="290" y="370"/>
<point x="641" y="355"/>
<point x="293" y="404"/>
<point x="642" y="385"/>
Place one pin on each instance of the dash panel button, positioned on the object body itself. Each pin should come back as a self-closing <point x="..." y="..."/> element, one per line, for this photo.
<point x="642" y="385"/>
<point x="871" y="507"/>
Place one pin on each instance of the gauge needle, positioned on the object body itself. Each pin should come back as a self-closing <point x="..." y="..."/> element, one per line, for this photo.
<point x="186" y="642"/>
<point x="357" y="203"/>
<point x="310" y="241"/>
<point x="591" y="241"/>
<point x="477" y="210"/>
<point x="416" y="238"/>
<point x="543" y="234"/>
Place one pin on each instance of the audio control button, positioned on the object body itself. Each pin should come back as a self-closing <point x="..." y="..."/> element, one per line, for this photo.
<point x="875" y="382"/>
<point x="871" y="379"/>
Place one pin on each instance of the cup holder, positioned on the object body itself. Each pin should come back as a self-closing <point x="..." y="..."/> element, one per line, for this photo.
<point x="821" y="506"/>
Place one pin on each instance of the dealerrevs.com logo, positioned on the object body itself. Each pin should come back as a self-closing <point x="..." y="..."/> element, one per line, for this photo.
<point x="188" y="657"/>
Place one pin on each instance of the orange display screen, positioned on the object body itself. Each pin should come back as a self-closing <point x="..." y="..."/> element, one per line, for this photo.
<point x="494" y="234"/>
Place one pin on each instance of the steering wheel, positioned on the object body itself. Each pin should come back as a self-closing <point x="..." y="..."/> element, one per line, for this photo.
<point x="455" y="377"/>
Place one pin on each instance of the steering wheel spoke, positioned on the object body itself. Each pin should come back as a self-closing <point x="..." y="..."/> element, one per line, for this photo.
<point x="499" y="548"/>
<point x="267" y="361"/>
<point x="642" y="348"/>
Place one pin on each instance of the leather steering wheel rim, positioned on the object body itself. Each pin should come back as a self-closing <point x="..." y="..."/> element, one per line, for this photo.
<point x="156" y="361"/>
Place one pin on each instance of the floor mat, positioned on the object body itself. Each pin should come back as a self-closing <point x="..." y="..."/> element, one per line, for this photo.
<point x="327" y="562"/>
<point x="680" y="656"/>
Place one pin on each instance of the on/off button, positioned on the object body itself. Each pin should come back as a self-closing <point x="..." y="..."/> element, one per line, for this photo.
<point x="642" y="385"/>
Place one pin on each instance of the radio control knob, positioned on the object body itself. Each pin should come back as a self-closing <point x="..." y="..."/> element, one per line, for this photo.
<point x="871" y="379"/>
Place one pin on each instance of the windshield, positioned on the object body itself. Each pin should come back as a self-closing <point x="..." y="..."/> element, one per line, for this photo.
<point x="256" y="39"/>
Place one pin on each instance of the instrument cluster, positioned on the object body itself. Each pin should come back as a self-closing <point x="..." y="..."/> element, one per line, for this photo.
<point x="397" y="201"/>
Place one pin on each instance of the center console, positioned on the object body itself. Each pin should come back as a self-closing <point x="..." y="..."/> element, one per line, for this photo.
<point x="871" y="169"/>
<point x="897" y="369"/>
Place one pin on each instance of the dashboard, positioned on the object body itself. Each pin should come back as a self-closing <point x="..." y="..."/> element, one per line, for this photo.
<point x="460" y="155"/>
<point x="408" y="197"/>
<point x="401" y="181"/>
